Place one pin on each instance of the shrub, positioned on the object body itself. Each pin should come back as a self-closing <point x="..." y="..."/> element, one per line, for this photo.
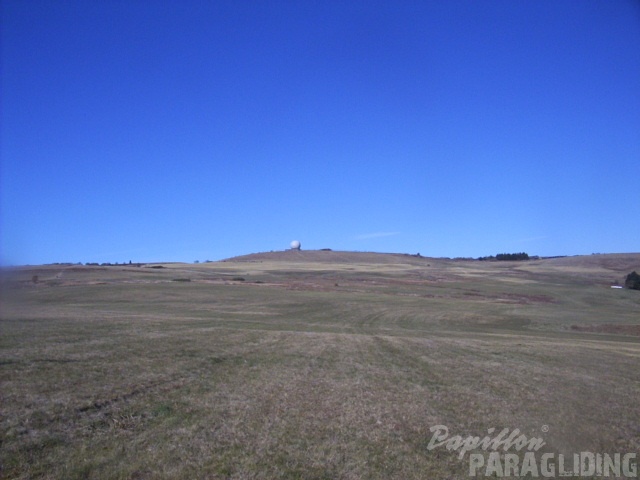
<point x="632" y="281"/>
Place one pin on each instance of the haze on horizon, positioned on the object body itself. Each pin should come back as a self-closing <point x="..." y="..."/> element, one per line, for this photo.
<point x="196" y="130"/>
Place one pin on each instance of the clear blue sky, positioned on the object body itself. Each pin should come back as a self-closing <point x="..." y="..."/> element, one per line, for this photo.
<point x="192" y="130"/>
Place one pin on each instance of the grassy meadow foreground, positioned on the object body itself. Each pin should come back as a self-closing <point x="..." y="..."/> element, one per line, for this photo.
<point x="311" y="365"/>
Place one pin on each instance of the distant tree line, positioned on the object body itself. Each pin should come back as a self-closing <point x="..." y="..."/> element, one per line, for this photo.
<point x="109" y="264"/>
<point x="509" y="257"/>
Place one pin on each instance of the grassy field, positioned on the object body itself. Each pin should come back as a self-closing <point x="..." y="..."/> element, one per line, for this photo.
<point x="311" y="365"/>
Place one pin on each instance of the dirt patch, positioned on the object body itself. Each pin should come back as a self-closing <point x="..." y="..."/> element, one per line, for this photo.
<point x="615" y="329"/>
<point x="511" y="298"/>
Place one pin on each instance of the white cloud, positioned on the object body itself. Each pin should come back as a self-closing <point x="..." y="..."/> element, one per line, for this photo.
<point x="366" y="236"/>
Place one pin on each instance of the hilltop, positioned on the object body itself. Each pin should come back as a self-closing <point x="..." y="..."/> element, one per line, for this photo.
<point x="330" y="256"/>
<point x="610" y="261"/>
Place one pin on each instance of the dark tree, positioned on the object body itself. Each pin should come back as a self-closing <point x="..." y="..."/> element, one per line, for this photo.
<point x="512" y="256"/>
<point x="632" y="281"/>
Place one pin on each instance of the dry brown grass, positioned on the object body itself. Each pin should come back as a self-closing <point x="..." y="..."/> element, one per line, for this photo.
<point x="122" y="373"/>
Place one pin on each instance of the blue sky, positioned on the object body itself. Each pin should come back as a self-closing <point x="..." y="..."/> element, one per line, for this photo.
<point x="191" y="130"/>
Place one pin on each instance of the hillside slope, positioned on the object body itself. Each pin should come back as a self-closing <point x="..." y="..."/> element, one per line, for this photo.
<point x="330" y="256"/>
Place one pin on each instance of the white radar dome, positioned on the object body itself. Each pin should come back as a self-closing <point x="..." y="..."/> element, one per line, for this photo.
<point x="295" y="245"/>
